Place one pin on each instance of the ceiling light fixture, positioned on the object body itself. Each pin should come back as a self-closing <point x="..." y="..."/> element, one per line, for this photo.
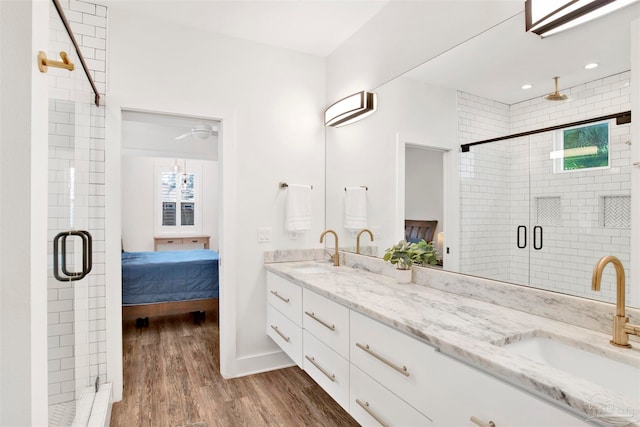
<point x="545" y="17"/>
<point x="556" y="96"/>
<point x="350" y="109"/>
<point x="526" y="86"/>
<point x="591" y="66"/>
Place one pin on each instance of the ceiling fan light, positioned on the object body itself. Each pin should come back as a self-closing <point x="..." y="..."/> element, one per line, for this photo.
<point x="350" y="109"/>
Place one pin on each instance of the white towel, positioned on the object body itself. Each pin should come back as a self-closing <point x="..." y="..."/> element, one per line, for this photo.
<point x="355" y="208"/>
<point x="298" y="214"/>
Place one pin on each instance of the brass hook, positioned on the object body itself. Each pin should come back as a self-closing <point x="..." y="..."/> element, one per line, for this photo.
<point x="44" y="63"/>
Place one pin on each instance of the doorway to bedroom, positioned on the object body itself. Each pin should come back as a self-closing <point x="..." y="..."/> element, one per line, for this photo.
<point x="170" y="216"/>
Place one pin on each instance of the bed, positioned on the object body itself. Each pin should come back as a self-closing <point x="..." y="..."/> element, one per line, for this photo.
<point x="170" y="282"/>
<point x="414" y="231"/>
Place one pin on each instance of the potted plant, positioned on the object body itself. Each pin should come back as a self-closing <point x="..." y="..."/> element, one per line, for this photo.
<point x="400" y="256"/>
<point x="423" y="253"/>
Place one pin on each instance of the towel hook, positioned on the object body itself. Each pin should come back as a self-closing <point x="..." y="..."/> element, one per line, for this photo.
<point x="44" y="63"/>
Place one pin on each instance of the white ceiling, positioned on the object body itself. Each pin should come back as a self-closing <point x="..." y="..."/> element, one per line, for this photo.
<point x="496" y="63"/>
<point x="316" y="27"/>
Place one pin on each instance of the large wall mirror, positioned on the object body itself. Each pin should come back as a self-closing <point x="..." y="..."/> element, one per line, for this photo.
<point x="536" y="210"/>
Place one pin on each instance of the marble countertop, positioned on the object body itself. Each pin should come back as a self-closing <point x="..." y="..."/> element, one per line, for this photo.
<point x="473" y="331"/>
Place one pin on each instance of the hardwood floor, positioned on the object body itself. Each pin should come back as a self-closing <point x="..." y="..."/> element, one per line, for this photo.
<point x="172" y="378"/>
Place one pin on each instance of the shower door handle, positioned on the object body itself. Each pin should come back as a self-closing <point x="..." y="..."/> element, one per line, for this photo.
<point x="60" y="255"/>
<point x="522" y="237"/>
<point x="537" y="237"/>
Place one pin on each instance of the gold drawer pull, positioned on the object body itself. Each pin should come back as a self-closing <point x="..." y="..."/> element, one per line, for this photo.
<point x="279" y="296"/>
<point x="322" y="322"/>
<point x="332" y="377"/>
<point x="275" y="328"/>
<point x="365" y="406"/>
<point x="403" y="370"/>
<point x="481" y="423"/>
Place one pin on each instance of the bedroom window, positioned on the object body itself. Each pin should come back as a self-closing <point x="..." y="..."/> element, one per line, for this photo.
<point x="178" y="200"/>
<point x="178" y="197"/>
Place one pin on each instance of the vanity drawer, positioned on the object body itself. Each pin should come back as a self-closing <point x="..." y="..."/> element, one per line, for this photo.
<point x="394" y="359"/>
<point x="326" y="320"/>
<point x="286" y="296"/>
<point x="285" y="333"/>
<point x="327" y="368"/>
<point x="373" y="405"/>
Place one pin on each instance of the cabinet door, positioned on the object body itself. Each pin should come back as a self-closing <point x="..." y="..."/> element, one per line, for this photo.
<point x="373" y="405"/>
<point x="399" y="362"/>
<point x="286" y="296"/>
<point x="326" y="320"/>
<point x="327" y="368"/>
<point x="462" y="392"/>
<point x="285" y="333"/>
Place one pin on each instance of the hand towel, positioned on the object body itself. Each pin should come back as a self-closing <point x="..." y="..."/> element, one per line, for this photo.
<point x="298" y="214"/>
<point x="355" y="208"/>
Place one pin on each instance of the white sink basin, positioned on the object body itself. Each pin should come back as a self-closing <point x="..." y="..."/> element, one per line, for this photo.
<point x="314" y="268"/>
<point x="611" y="374"/>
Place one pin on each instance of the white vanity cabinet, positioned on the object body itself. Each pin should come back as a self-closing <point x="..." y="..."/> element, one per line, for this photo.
<point x="462" y="392"/>
<point x="382" y="376"/>
<point x="284" y="316"/>
<point x="374" y="405"/>
<point x="399" y="362"/>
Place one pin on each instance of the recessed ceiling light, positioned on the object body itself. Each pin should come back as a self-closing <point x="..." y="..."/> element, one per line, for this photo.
<point x="590" y="66"/>
<point x="526" y="86"/>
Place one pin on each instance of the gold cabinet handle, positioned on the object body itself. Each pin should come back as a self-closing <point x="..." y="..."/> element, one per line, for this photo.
<point x="365" y="406"/>
<point x="322" y="322"/>
<point x="280" y="296"/>
<point x="481" y="423"/>
<point x="275" y="328"/>
<point x="402" y="369"/>
<point x="332" y="377"/>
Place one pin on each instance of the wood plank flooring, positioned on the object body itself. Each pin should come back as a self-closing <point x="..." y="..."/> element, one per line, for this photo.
<point x="172" y="379"/>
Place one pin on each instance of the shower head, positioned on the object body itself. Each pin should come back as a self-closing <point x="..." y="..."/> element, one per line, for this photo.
<point x="556" y="96"/>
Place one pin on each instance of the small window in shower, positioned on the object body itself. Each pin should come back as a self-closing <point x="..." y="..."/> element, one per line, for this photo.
<point x="581" y="147"/>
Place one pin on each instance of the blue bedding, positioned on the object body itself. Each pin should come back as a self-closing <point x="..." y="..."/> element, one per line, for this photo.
<point x="152" y="277"/>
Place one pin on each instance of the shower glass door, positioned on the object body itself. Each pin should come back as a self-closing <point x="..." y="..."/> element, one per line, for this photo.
<point x="70" y="376"/>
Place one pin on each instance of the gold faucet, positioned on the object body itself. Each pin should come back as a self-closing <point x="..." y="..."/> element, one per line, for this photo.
<point x="621" y="326"/>
<point x="358" y="238"/>
<point x="336" y="257"/>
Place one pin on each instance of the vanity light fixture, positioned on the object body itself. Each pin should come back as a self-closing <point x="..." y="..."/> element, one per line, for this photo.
<point x="545" y="17"/>
<point x="350" y="109"/>
<point x="591" y="66"/>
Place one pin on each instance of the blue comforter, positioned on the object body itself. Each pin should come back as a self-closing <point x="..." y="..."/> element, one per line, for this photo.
<point x="152" y="277"/>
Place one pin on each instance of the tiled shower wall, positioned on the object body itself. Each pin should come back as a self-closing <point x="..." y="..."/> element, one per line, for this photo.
<point x="570" y="206"/>
<point x="485" y="204"/>
<point x="68" y="314"/>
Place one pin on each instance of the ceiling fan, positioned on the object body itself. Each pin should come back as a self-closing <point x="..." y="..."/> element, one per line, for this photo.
<point x="200" y="132"/>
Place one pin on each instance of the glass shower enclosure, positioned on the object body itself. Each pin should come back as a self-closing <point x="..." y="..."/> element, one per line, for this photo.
<point x="74" y="232"/>
<point x="540" y="210"/>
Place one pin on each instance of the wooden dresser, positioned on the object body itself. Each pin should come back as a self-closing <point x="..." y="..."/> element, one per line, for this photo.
<point x="180" y="240"/>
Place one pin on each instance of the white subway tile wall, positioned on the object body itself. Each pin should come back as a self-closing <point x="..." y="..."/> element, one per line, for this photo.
<point x="572" y="246"/>
<point x="76" y="310"/>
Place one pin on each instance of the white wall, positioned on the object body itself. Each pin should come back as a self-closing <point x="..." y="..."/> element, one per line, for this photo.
<point x="275" y="98"/>
<point x="23" y="262"/>
<point x="139" y="187"/>
<point x="365" y="153"/>
<point x="403" y="35"/>
<point x="424" y="186"/>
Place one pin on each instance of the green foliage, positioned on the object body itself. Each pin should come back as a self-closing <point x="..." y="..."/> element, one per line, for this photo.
<point x="403" y="255"/>
<point x="587" y="136"/>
